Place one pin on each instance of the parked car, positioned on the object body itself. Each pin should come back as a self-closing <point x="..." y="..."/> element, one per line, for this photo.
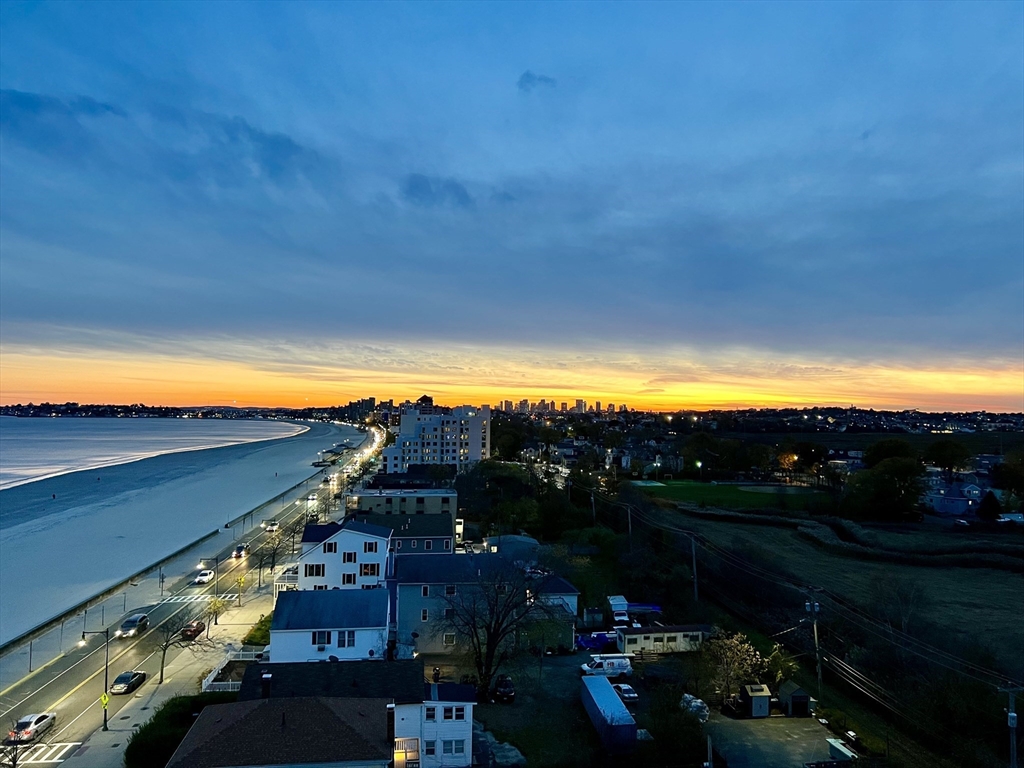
<point x="205" y="577"/>
<point x="626" y="693"/>
<point x="608" y="665"/>
<point x="240" y="551"/>
<point x="193" y="630"/>
<point x="504" y="690"/>
<point x="31" y="727"/>
<point x="133" y="626"/>
<point x="961" y="524"/>
<point x="272" y="526"/>
<point x="127" y="682"/>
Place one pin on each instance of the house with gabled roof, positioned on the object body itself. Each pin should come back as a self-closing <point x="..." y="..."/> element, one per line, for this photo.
<point x="346" y="555"/>
<point x="334" y="625"/>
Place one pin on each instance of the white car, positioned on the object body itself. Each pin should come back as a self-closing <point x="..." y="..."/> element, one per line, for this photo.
<point x="626" y="693"/>
<point x="205" y="577"/>
<point x="311" y="497"/>
<point x="31" y="727"/>
<point x="272" y="526"/>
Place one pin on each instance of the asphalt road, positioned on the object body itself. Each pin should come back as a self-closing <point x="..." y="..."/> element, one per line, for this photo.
<point x="73" y="684"/>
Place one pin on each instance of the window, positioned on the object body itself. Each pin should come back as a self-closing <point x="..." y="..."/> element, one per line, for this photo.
<point x="659" y="639"/>
<point x="319" y="587"/>
<point x="314" y="570"/>
<point x="448" y="747"/>
<point x="349" y="557"/>
<point x="449" y="590"/>
<point x="348" y="578"/>
<point x="346" y="638"/>
<point x="428" y="544"/>
<point x="320" y="637"/>
<point x="448" y="638"/>
<point x="398" y="544"/>
<point x="425" y="591"/>
<point x="424" y="614"/>
<point x="430" y="748"/>
<point x="447" y="543"/>
<point x="460" y="713"/>
<point x="369" y="569"/>
<point x="449" y="614"/>
<point x="430" y="714"/>
<point x="330" y="547"/>
<point x="414" y="543"/>
<point x="631" y="641"/>
<point x="670" y="639"/>
<point x="460" y="746"/>
<point x="449" y="713"/>
<point x="501" y="589"/>
<point x="369" y="546"/>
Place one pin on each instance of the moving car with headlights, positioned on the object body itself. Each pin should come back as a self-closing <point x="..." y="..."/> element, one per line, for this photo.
<point x="272" y="526"/>
<point x="133" y="626"/>
<point x="240" y="551"/>
<point x="205" y="577"/>
<point x="31" y="727"/>
<point x="127" y="682"/>
<point x="504" y="690"/>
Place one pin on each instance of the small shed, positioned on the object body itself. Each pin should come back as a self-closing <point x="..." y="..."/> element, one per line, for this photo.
<point x="795" y="701"/>
<point x="756" y="700"/>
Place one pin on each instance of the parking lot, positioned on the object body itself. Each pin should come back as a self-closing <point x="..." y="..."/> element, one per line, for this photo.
<point x="773" y="742"/>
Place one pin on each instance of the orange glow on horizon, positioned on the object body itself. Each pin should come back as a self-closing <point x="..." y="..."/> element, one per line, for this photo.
<point x="109" y="377"/>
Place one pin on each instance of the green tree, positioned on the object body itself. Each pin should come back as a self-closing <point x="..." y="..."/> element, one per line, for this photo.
<point x="890" y="448"/>
<point x="780" y="665"/>
<point x="948" y="455"/>
<point x="1008" y="475"/>
<point x="888" y="492"/>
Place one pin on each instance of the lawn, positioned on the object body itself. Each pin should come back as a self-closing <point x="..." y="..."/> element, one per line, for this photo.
<point x="734" y="496"/>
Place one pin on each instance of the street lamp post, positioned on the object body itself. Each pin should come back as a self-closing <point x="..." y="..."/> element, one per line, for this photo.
<point x="106" y="664"/>
<point x="700" y="466"/>
<point x="216" y="573"/>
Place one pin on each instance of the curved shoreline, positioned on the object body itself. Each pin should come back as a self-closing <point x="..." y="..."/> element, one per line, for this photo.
<point x="301" y="428"/>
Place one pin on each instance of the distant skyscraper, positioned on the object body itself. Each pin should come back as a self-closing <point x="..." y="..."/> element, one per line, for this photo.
<point x="581" y="406"/>
<point x="565" y="407"/>
<point x="597" y="407"/>
<point x="507" y="406"/>
<point x="611" y="407"/>
<point x="622" y="408"/>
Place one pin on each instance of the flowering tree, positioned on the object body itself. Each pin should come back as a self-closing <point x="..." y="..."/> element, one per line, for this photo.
<point x="734" y="661"/>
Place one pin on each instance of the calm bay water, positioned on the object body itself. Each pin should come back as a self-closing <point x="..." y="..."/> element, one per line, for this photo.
<point x="37" y="448"/>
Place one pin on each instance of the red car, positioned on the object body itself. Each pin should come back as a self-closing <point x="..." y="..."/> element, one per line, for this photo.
<point x="193" y="630"/>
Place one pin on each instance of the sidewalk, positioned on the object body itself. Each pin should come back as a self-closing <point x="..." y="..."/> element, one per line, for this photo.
<point x="182" y="676"/>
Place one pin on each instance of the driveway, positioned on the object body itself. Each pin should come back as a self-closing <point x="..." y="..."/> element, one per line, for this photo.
<point x="774" y="742"/>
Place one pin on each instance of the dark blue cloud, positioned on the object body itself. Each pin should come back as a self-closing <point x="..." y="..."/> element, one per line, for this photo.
<point x="430" y="191"/>
<point x="528" y="81"/>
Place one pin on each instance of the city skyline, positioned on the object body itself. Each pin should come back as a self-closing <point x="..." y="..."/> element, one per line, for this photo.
<point x="669" y="205"/>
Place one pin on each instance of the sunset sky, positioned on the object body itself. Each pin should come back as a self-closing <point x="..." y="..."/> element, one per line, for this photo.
<point x="667" y="205"/>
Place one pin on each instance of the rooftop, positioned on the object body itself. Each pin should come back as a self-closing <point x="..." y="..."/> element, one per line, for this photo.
<point x="401" y="681"/>
<point x="330" y="609"/>
<point x="294" y="731"/>
<point x="449" y="692"/>
<point x="404" y="526"/>
<point x="658" y="629"/>
<point x="315" y="534"/>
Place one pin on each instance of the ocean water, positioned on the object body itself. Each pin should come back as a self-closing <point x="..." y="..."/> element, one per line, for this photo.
<point x="39" y="448"/>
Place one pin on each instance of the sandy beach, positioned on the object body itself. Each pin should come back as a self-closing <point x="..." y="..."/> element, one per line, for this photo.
<point x="69" y="537"/>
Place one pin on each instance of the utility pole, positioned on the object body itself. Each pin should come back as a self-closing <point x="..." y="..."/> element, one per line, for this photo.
<point x="593" y="508"/>
<point x="813" y="609"/>
<point x="629" y="518"/>
<point x="1011" y="720"/>
<point x="693" y="553"/>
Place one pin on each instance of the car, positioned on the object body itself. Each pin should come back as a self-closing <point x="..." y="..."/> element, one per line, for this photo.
<point x="626" y="693"/>
<point x="133" y="625"/>
<point x="193" y="630"/>
<point x="504" y="690"/>
<point x="608" y="665"/>
<point x="127" y="682"/>
<point x="961" y="524"/>
<point x="205" y="577"/>
<point x="311" y="497"/>
<point x="31" y="727"/>
<point x="272" y="526"/>
<point x="240" y="551"/>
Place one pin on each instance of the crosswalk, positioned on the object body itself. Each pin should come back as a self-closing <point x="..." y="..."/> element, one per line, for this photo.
<point x="47" y="754"/>
<point x="198" y="598"/>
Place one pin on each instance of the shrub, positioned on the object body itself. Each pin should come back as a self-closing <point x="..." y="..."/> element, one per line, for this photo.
<point x="153" y="744"/>
<point x="260" y="632"/>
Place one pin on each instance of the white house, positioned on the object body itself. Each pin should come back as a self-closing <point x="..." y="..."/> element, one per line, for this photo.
<point x="349" y="555"/>
<point x="334" y="625"/>
<point x="433" y="724"/>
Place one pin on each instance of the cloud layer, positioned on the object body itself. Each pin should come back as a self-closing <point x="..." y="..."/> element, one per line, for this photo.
<point x="680" y="180"/>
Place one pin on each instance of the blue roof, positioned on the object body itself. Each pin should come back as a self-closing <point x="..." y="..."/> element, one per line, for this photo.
<point x="351" y="524"/>
<point x="466" y="569"/>
<point x="449" y="692"/>
<point x="319" y="533"/>
<point x="331" y="609"/>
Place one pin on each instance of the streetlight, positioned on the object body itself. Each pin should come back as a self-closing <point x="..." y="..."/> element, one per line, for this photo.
<point x="216" y="573"/>
<point x="700" y="465"/>
<point x="106" y="664"/>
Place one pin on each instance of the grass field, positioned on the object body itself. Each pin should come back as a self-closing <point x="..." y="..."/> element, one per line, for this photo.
<point x="975" y="606"/>
<point x="733" y="496"/>
<point x="976" y="442"/>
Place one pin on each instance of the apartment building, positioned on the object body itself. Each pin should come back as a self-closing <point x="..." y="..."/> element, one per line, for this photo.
<point x="402" y="501"/>
<point x="429" y="434"/>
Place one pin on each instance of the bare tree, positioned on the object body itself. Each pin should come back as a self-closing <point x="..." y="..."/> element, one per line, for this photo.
<point x="214" y="609"/>
<point x="169" y="635"/>
<point x="12" y="753"/>
<point x="294" y="530"/>
<point x="488" y="614"/>
<point x="897" y="600"/>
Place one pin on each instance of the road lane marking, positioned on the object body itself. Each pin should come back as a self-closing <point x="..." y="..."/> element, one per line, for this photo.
<point x="39" y="754"/>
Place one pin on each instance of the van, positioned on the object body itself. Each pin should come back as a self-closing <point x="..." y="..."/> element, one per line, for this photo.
<point x="608" y="665"/>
